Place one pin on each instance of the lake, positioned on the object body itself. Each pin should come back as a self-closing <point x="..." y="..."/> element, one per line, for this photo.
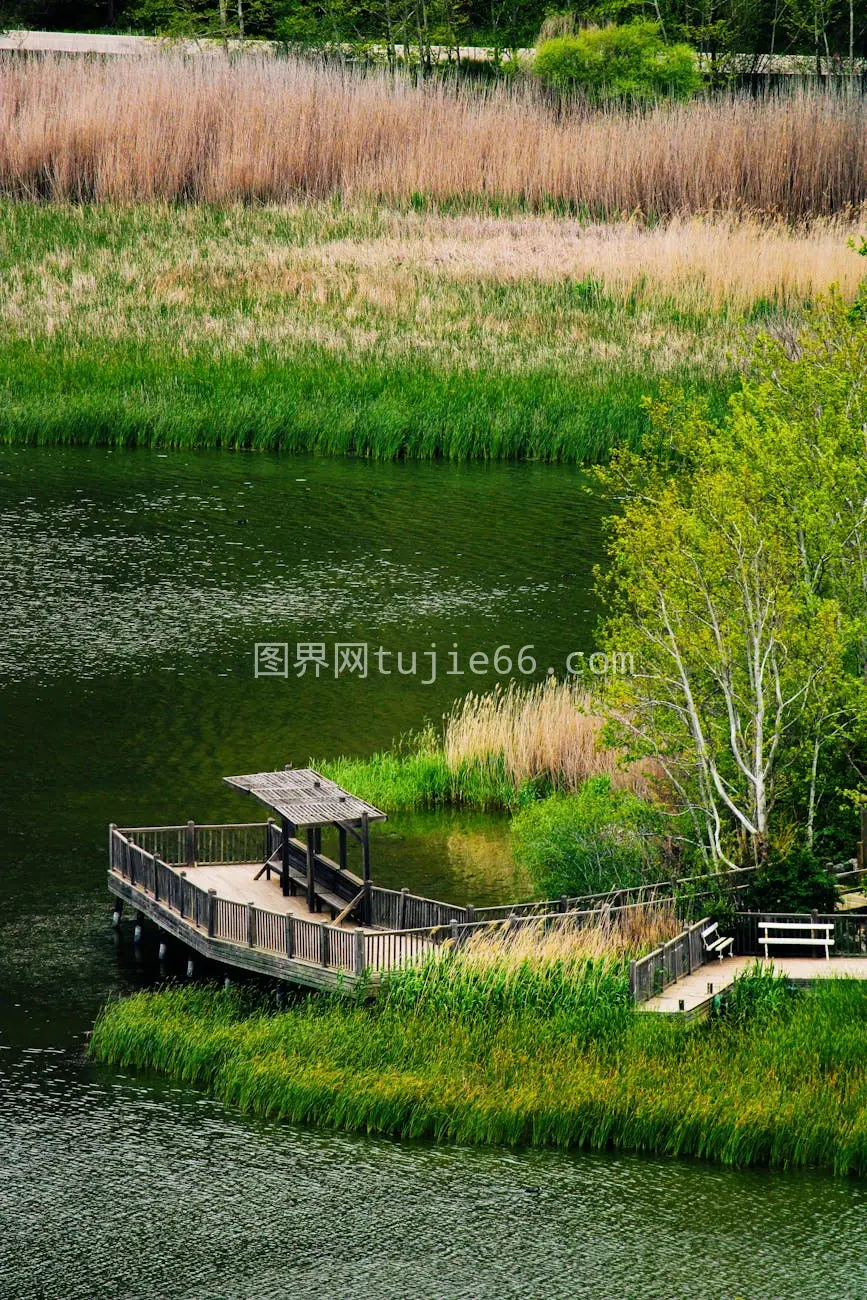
<point x="134" y="588"/>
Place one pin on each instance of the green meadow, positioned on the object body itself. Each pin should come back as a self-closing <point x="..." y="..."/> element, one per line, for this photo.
<point x="367" y="330"/>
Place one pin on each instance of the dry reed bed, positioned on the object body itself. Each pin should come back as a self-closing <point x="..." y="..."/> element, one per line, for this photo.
<point x="695" y="262"/>
<point x="545" y="730"/>
<point x="570" y="943"/>
<point x="163" y="128"/>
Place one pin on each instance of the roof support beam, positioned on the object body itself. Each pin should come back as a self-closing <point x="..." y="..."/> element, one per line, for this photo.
<point x="311" y="866"/>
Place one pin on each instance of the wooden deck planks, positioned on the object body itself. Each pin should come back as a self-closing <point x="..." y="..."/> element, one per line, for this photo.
<point x="692" y="990"/>
<point x="237" y="884"/>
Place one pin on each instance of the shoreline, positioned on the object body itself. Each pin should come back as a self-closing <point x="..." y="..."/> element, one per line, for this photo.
<point x="744" y="1094"/>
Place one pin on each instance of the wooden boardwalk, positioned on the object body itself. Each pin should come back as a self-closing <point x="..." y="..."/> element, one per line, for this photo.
<point x="692" y="995"/>
<point x="254" y="896"/>
<point x="237" y="883"/>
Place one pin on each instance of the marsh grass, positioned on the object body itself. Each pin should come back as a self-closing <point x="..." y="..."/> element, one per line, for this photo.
<point x="484" y="1056"/>
<point x="367" y="330"/>
<point x="496" y="749"/>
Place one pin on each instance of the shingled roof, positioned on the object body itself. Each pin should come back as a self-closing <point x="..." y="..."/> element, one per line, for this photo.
<point x="304" y="797"/>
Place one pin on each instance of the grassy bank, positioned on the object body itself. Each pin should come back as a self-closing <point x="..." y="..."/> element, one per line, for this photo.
<point x="383" y="332"/>
<point x="549" y="1055"/>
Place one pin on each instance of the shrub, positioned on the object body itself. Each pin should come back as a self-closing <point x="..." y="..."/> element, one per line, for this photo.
<point x="595" y="840"/>
<point x="794" y="881"/>
<point x="618" y="62"/>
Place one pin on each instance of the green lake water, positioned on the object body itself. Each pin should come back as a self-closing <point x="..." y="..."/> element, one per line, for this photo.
<point x="133" y="590"/>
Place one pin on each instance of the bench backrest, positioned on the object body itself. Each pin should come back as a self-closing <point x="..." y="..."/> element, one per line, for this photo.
<point x="709" y="932"/>
<point x="784" y="926"/>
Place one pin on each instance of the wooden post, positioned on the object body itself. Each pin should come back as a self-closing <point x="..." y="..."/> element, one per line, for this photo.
<point x="191" y="844"/>
<point x="401" y="909"/>
<point x="111" y="830"/>
<point x="212" y="910"/>
<point x="341" y="837"/>
<point x="317" y="839"/>
<point x="471" y="913"/>
<point x="251" y="925"/>
<point x="365" y="866"/>
<point x="284" y="875"/>
<point x="132" y="853"/>
<point x="181" y="878"/>
<point x="268" y="850"/>
<point x="862" y="851"/>
<point x="290" y="936"/>
<point x="632" y="983"/>
<point x="156" y="881"/>
<point x="311" y="879"/>
<point x="360" y="953"/>
<point x="564" y="903"/>
<point x="454" y="929"/>
<point x="323" y="944"/>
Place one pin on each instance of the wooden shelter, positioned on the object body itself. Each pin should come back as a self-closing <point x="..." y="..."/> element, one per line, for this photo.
<point x="304" y="799"/>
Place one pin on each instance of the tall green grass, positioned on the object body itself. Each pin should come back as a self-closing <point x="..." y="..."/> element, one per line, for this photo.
<point x="124" y="393"/>
<point x="781" y="1082"/>
<point x="409" y="782"/>
<point x="343" y="329"/>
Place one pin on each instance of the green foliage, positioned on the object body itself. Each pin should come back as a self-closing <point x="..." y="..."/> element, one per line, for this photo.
<point x="632" y="61"/>
<point x="778" y="1079"/>
<point x="794" y="881"/>
<point x="737" y="580"/>
<point x="595" y="840"/>
<point x="731" y="33"/>
<point x="411" y="781"/>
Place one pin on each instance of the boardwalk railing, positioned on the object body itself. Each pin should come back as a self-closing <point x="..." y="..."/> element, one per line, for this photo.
<point x="693" y="887"/>
<point x="680" y="956"/>
<point x="401" y="910"/>
<point x="236" y="923"/>
<point x="204" y="846"/>
<point x="850" y="931"/>
<point x="232" y="844"/>
<point x="408" y="927"/>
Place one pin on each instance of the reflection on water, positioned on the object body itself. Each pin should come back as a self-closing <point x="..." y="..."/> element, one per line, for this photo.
<point x="132" y="590"/>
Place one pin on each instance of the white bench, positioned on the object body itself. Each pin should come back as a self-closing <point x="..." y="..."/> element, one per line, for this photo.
<point x="715" y="942"/>
<point x="819" y="934"/>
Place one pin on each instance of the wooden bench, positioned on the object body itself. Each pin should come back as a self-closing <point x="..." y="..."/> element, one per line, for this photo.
<point x="716" y="943"/>
<point x="820" y="934"/>
<point x="298" y="877"/>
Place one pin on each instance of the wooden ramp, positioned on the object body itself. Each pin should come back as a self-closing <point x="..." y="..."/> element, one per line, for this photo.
<point x="693" y="995"/>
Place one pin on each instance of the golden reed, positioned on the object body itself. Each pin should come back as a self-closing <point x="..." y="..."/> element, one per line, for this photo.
<point x="168" y="128"/>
